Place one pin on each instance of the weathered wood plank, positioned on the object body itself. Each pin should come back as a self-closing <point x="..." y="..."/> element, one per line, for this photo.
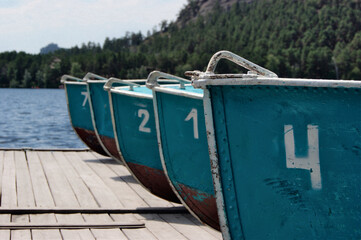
<point x="210" y="230"/>
<point x="20" y="234"/>
<point x="159" y="227"/>
<point x="102" y="233"/>
<point x="187" y="227"/>
<point x="60" y="188"/>
<point x="8" y="196"/>
<point x="84" y="196"/>
<point x="43" y="198"/>
<point x="42" y="193"/>
<point x="101" y="192"/>
<point x="25" y="196"/>
<point x="4" y="218"/>
<point x="126" y="195"/>
<point x="123" y="174"/>
<point x="63" y="196"/>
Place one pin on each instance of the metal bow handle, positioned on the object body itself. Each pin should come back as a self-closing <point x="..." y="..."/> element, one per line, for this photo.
<point x="153" y="77"/>
<point x="90" y="75"/>
<point x="238" y="60"/>
<point x="64" y="78"/>
<point x="109" y="83"/>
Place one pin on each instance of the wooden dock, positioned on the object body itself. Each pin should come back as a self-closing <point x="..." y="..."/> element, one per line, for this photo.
<point x="57" y="194"/>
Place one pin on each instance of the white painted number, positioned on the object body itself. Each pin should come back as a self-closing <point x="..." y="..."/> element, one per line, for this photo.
<point x="193" y="114"/>
<point x="312" y="161"/>
<point x="145" y="113"/>
<point x="85" y="97"/>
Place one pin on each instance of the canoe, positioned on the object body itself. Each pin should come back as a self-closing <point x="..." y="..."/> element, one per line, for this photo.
<point x="285" y="153"/>
<point x="101" y="115"/>
<point x="135" y="134"/>
<point x="183" y="148"/>
<point x="77" y="99"/>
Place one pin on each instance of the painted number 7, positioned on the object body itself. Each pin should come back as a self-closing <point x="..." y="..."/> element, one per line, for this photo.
<point x="85" y="97"/>
<point x="193" y="115"/>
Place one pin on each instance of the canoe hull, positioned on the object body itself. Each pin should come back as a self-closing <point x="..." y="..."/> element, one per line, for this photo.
<point x="80" y="116"/>
<point x="90" y="139"/>
<point x="288" y="160"/>
<point x="184" y="150"/>
<point x="136" y="139"/>
<point x="110" y="144"/>
<point x="154" y="180"/>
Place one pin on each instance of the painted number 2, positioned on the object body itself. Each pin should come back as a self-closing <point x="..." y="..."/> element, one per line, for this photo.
<point x="193" y="114"/>
<point x="312" y="161"/>
<point x="145" y="114"/>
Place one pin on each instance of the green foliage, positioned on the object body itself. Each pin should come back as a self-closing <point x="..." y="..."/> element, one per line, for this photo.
<point x="308" y="39"/>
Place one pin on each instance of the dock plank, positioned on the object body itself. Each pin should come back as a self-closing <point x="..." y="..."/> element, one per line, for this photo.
<point x="4" y="218"/>
<point x="8" y="196"/>
<point x="122" y="172"/>
<point x="63" y="196"/>
<point x="101" y="192"/>
<point x="25" y="196"/>
<point x="84" y="196"/>
<point x="96" y="186"/>
<point x="159" y="227"/>
<point x="187" y="227"/>
<point x="210" y="230"/>
<point x="126" y="195"/>
<point x="68" y="179"/>
<point x="43" y="198"/>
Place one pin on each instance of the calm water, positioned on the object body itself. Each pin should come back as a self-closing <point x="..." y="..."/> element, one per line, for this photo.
<point x="35" y="118"/>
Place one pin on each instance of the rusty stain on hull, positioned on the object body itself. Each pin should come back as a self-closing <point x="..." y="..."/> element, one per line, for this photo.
<point x="110" y="145"/>
<point x="90" y="139"/>
<point x="154" y="180"/>
<point x="202" y="204"/>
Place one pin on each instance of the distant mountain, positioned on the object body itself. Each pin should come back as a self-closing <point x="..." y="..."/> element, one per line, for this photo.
<point x="50" y="48"/>
<point x="196" y="8"/>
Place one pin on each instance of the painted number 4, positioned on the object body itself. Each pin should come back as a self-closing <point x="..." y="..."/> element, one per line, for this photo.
<point x="312" y="161"/>
<point x="193" y="115"/>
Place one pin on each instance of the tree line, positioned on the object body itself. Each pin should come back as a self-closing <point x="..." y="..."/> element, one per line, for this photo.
<point x="303" y="39"/>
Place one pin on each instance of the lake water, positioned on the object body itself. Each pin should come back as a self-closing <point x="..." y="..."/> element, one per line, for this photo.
<point x="35" y="118"/>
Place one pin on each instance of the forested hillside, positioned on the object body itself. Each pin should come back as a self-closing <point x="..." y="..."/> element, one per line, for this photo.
<point x="299" y="38"/>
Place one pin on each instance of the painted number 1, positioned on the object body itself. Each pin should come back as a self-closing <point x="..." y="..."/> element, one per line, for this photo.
<point x="145" y="114"/>
<point x="193" y="114"/>
<point x="312" y="161"/>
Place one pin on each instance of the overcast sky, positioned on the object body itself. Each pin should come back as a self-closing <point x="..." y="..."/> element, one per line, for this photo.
<point x="28" y="25"/>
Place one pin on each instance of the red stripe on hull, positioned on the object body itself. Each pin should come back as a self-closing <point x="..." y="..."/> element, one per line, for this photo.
<point x="110" y="145"/>
<point x="154" y="180"/>
<point x="91" y="140"/>
<point x="202" y="204"/>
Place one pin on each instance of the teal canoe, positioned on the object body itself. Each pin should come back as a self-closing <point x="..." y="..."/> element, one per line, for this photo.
<point x="285" y="153"/>
<point x="136" y="138"/>
<point x="79" y="111"/>
<point x="101" y="114"/>
<point x="183" y="145"/>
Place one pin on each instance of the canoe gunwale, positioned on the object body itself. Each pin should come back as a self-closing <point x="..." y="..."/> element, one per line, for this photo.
<point x="204" y="80"/>
<point x="127" y="92"/>
<point x="178" y="92"/>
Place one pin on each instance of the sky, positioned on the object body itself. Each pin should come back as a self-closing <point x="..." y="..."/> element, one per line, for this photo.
<point x="29" y="25"/>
